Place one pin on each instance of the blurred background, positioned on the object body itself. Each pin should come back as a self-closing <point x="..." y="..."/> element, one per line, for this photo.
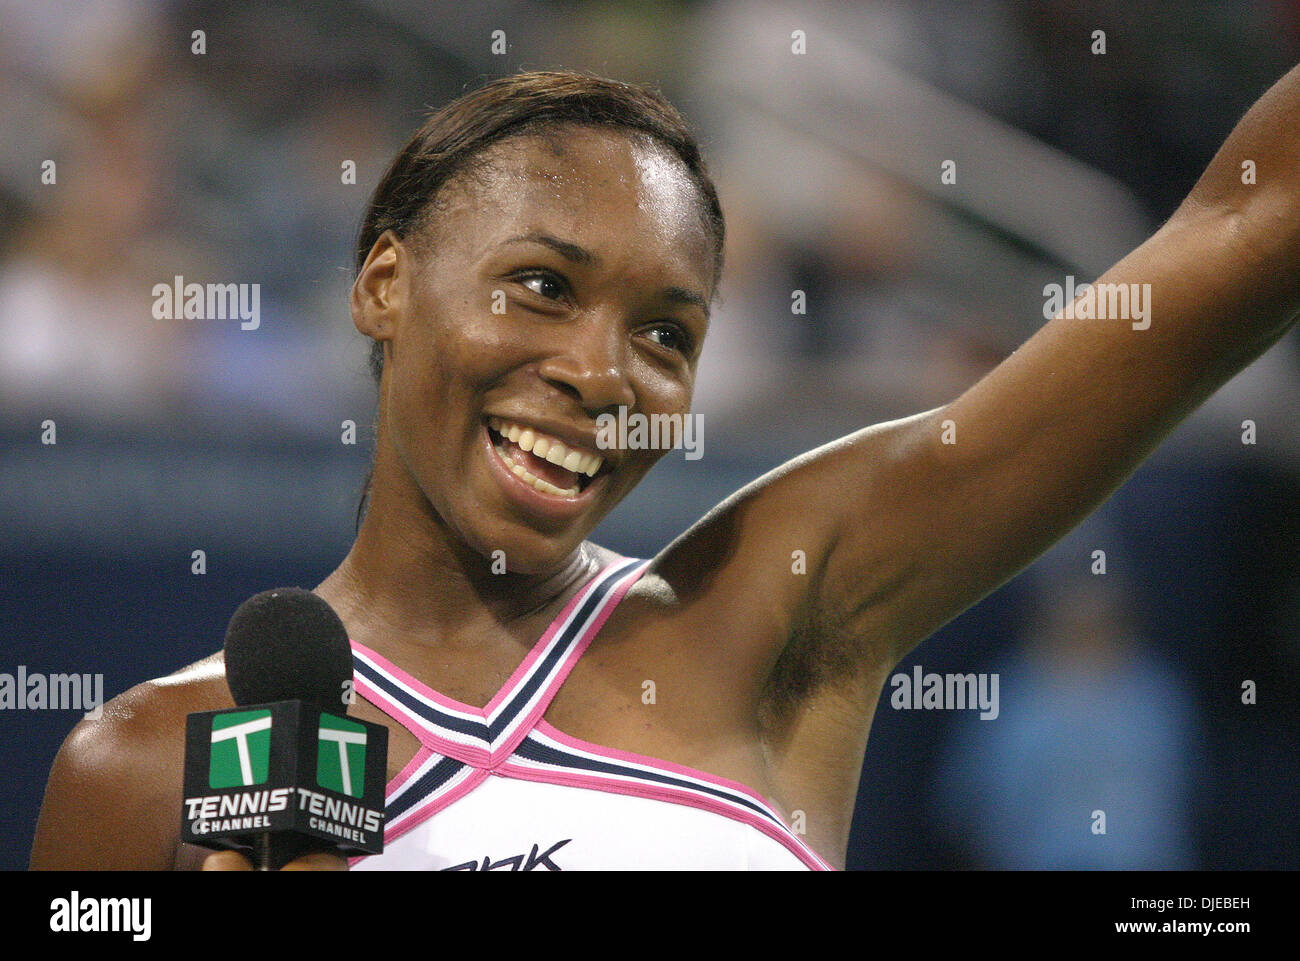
<point x="1120" y="693"/>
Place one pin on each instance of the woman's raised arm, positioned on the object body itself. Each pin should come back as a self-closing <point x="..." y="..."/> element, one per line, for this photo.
<point x="904" y="525"/>
<point x="963" y="497"/>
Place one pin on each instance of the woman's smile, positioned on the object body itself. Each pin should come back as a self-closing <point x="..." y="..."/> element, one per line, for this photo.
<point x="560" y="484"/>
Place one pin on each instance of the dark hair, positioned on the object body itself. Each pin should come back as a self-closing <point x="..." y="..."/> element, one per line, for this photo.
<point x="453" y="138"/>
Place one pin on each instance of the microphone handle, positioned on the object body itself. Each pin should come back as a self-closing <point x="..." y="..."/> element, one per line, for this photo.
<point x="272" y="850"/>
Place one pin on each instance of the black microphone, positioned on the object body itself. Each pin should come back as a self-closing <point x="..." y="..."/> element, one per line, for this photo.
<point x="287" y="772"/>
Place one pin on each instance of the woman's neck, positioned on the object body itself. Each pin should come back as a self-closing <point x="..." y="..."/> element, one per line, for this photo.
<point x="409" y="574"/>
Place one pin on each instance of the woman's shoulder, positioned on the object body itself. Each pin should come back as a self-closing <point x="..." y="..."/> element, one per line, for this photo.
<point x="116" y="781"/>
<point x="154" y="706"/>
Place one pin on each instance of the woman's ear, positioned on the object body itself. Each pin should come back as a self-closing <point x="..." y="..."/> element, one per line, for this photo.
<point x="379" y="293"/>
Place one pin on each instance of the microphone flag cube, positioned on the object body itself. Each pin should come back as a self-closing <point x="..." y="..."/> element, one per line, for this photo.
<point x="284" y="767"/>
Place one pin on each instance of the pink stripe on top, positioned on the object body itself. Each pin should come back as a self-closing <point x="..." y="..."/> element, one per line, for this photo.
<point x="781" y="833"/>
<point x="484" y="713"/>
<point x="606" y="605"/>
<point x="474" y="749"/>
<point x="561" y="644"/>
<point x="520" y="727"/>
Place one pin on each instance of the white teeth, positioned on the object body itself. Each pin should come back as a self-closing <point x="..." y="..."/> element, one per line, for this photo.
<point x="528" y="477"/>
<point x="549" y="449"/>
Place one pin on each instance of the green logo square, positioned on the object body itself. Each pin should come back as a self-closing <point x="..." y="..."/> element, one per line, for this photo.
<point x="241" y="749"/>
<point x="341" y="755"/>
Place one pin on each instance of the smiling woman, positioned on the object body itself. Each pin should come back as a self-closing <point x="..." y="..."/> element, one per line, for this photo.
<point x="553" y="277"/>
<point x="540" y="256"/>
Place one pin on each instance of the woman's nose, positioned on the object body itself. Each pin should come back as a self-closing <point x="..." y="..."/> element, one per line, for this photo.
<point x="590" y="362"/>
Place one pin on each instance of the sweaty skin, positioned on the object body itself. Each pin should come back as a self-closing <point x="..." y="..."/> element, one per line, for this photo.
<point x="763" y="676"/>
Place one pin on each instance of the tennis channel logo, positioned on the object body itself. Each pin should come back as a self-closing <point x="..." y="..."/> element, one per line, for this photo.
<point x="241" y="749"/>
<point x="341" y="755"/>
<point x="241" y="752"/>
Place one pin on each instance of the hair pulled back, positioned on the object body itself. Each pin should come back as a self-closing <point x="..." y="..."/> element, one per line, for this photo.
<point x="454" y="137"/>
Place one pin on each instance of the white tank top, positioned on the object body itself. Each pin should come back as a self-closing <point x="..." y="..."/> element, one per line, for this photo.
<point x="498" y="788"/>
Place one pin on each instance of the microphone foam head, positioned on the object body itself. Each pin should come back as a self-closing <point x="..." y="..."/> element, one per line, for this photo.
<point x="288" y="644"/>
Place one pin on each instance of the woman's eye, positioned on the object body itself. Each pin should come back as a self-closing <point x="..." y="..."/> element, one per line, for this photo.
<point x="670" y="337"/>
<point x="546" y="285"/>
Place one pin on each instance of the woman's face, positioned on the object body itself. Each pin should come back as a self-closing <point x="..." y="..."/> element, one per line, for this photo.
<point x="566" y="278"/>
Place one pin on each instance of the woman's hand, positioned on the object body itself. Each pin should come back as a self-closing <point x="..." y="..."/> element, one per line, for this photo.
<point x="234" y="861"/>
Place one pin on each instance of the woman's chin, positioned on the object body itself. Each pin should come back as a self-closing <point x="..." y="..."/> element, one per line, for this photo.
<point x="525" y="552"/>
